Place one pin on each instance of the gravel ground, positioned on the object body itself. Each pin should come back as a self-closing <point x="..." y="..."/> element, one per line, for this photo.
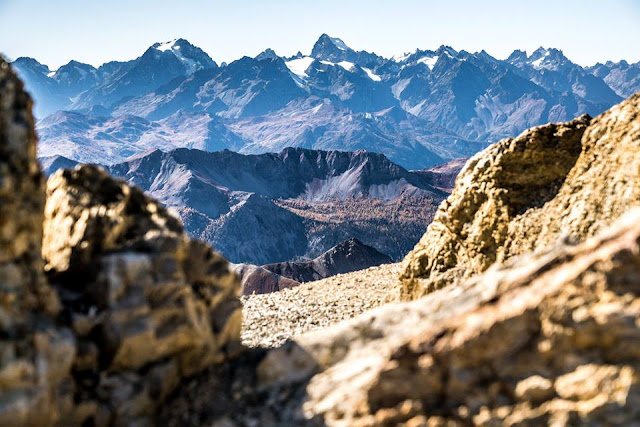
<point x="269" y="319"/>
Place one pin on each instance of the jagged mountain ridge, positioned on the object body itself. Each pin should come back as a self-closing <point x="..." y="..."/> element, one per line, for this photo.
<point x="295" y="204"/>
<point x="420" y="109"/>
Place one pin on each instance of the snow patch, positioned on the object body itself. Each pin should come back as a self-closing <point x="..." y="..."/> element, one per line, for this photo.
<point x="537" y="64"/>
<point x="429" y="61"/>
<point x="372" y="75"/>
<point x="299" y="66"/>
<point x="170" y="45"/>
<point x="402" y="58"/>
<point x="349" y="66"/>
<point x="399" y="87"/>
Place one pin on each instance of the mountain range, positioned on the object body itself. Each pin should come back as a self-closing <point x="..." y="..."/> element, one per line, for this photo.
<point x="420" y="109"/>
<point x="292" y="205"/>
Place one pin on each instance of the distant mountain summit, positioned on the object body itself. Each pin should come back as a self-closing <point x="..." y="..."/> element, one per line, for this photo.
<point x="192" y="58"/>
<point x="295" y="204"/>
<point x="345" y="257"/>
<point x="419" y="109"/>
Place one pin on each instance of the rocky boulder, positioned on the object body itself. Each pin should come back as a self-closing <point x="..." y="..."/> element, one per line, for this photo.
<point x="147" y="304"/>
<point x="35" y="355"/>
<point x="559" y="181"/>
<point x="546" y="338"/>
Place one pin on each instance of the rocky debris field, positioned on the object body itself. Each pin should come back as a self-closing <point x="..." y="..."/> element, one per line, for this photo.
<point x="270" y="319"/>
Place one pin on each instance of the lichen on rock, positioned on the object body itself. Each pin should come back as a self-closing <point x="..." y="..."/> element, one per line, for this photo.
<point x="553" y="182"/>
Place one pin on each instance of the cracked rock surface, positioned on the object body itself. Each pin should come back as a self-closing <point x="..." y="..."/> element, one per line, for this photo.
<point x="558" y="181"/>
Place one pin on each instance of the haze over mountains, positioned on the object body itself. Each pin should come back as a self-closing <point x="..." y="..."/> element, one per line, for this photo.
<point x="420" y="109"/>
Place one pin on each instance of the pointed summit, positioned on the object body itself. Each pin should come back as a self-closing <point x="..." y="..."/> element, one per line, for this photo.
<point x="24" y="62"/>
<point x="192" y="57"/>
<point x="447" y="50"/>
<point x="517" y="56"/>
<point x="267" y="54"/>
<point x="550" y="59"/>
<point x="330" y="49"/>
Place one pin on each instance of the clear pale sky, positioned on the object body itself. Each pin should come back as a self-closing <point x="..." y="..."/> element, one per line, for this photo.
<point x="96" y="31"/>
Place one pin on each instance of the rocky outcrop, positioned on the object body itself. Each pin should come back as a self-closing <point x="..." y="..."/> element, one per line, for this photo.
<point x="35" y="355"/>
<point x="543" y="339"/>
<point x="124" y="304"/>
<point x="551" y="182"/>
<point x="147" y="304"/>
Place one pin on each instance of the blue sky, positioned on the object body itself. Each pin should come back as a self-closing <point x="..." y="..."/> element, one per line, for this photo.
<point x="95" y="31"/>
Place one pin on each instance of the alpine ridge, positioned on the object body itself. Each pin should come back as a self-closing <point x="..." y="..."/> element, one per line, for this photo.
<point x="296" y="204"/>
<point x="419" y="109"/>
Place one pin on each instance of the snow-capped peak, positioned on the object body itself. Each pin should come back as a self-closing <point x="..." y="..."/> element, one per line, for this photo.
<point x="331" y="49"/>
<point x="447" y="50"/>
<point x="267" y="54"/>
<point x="170" y="45"/>
<point x="549" y="59"/>
<point x="192" y="57"/>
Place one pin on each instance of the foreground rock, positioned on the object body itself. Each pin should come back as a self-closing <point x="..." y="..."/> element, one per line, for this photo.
<point x="548" y="338"/>
<point x="147" y="304"/>
<point x="35" y="355"/>
<point x="555" y="181"/>
<point x="133" y="306"/>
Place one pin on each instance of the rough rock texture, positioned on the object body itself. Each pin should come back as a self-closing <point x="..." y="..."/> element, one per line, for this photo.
<point x="555" y="181"/>
<point x="35" y="357"/>
<point x="548" y="339"/>
<point x="545" y="339"/>
<point x="147" y="304"/>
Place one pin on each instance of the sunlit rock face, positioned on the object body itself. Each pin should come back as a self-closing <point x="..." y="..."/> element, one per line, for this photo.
<point x="559" y="181"/>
